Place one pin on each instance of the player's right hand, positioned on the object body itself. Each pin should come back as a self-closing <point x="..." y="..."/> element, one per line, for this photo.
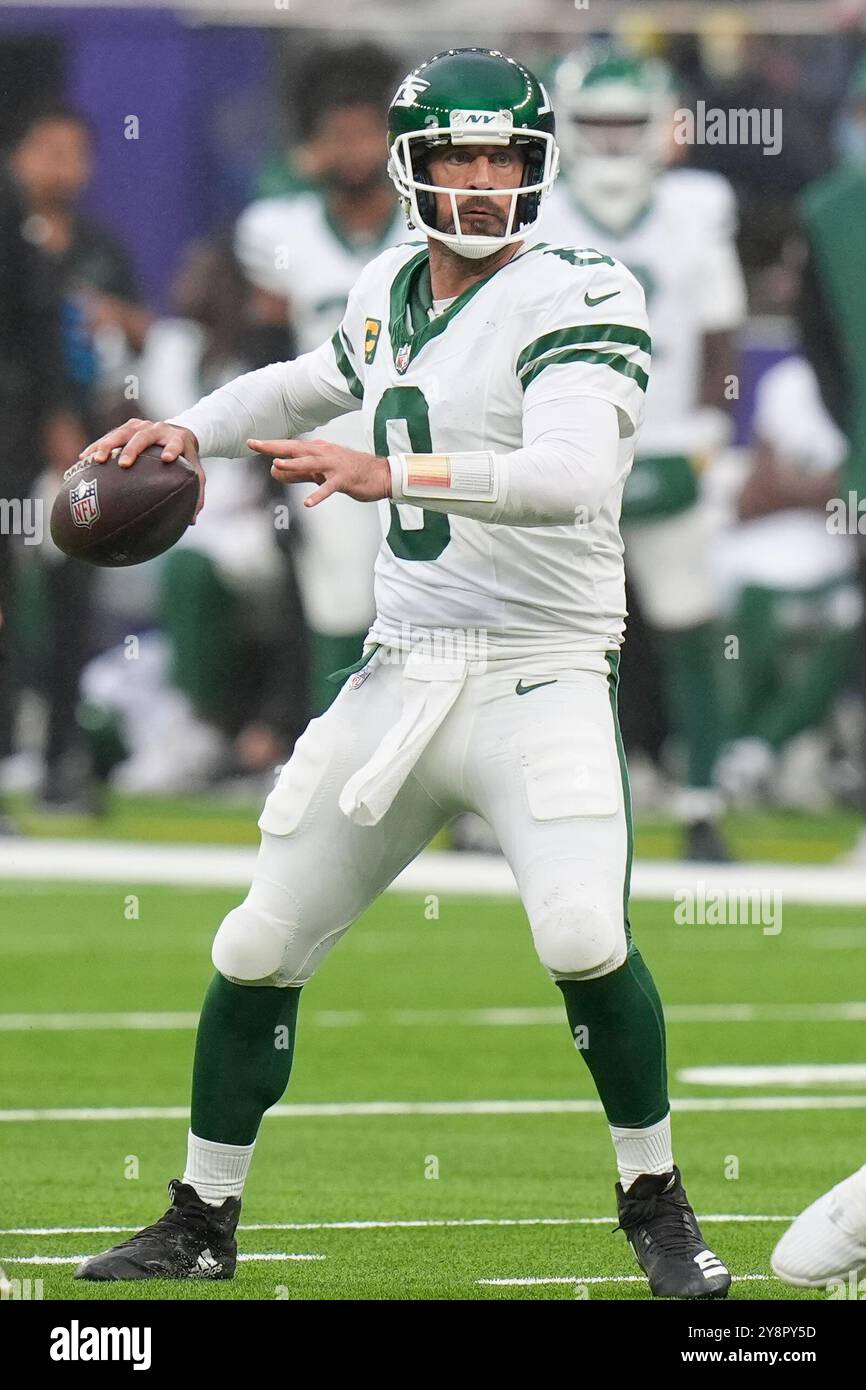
<point x="137" y="435"/>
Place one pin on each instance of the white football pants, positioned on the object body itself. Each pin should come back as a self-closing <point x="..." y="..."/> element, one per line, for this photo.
<point x="542" y="767"/>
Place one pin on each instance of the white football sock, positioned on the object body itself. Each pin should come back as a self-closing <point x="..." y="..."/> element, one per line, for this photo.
<point x="216" y="1171"/>
<point x="642" y="1151"/>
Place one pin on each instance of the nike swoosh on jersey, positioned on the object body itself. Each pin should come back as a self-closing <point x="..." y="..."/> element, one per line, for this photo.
<point x="599" y="299"/>
<point x="521" y="689"/>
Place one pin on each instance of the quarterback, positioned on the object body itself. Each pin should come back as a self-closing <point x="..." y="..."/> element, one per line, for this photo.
<point x="501" y="383"/>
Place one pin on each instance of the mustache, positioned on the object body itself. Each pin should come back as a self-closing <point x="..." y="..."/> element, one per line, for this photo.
<point x="467" y="210"/>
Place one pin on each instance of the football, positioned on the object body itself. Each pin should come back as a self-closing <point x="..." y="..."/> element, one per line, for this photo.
<point x="113" y="516"/>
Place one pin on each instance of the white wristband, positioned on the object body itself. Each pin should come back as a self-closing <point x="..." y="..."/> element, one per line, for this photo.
<point x="463" y="477"/>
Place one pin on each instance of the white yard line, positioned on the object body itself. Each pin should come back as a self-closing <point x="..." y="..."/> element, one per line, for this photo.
<point x="363" y="1109"/>
<point x="792" y="1074"/>
<point x="230" y="866"/>
<point x="422" y="1223"/>
<point x="92" y="1023"/>
<point x="852" y="1011"/>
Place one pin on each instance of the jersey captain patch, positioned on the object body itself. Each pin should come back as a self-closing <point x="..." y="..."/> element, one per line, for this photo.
<point x="372" y="329"/>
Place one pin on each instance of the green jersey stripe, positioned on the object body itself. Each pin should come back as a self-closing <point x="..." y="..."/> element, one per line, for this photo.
<point x="609" y="359"/>
<point x="584" y="333"/>
<point x="352" y="381"/>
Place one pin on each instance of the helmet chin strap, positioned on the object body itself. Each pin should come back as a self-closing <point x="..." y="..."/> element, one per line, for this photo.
<point x="460" y="248"/>
<point x="476" y="246"/>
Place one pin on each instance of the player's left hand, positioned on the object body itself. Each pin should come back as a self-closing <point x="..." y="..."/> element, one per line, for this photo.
<point x="366" y="477"/>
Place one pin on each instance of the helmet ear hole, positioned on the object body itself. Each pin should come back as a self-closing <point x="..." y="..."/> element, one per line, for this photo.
<point x="533" y="172"/>
<point x="426" y="201"/>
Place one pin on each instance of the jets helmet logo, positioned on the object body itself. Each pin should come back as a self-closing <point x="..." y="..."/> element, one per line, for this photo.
<point x="410" y="90"/>
<point x="84" y="502"/>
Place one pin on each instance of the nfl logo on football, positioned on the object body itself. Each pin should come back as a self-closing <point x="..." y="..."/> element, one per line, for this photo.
<point x="84" y="502"/>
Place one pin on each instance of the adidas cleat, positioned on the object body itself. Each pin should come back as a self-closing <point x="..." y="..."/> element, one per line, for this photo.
<point x="664" y="1234"/>
<point x="191" y="1241"/>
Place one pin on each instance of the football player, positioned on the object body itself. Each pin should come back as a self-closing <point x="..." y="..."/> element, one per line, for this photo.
<point x="501" y="405"/>
<point x="790" y="587"/>
<point x="305" y="253"/>
<point x="674" y="229"/>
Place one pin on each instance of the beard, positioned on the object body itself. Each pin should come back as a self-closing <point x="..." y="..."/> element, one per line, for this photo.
<point x="493" y="224"/>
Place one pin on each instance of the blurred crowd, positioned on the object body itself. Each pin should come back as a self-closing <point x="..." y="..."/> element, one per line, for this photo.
<point x="742" y="679"/>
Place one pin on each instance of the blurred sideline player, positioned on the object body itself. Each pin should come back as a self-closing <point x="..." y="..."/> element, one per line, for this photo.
<point x="674" y="229"/>
<point x="229" y="677"/>
<point x="828" y="1240"/>
<point x="790" y="587"/>
<point x="503" y="414"/>
<point x="102" y="325"/>
<point x="306" y="251"/>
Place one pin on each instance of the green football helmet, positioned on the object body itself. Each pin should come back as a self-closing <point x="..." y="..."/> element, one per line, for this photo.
<point x="471" y="96"/>
<point x="616" y="124"/>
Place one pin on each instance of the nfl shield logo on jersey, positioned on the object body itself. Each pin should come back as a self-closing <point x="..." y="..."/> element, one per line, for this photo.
<point x="401" y="361"/>
<point x="84" y="502"/>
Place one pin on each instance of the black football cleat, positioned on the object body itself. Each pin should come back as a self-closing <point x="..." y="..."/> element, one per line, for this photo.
<point x="704" y="844"/>
<point x="191" y="1241"/>
<point x="664" y="1234"/>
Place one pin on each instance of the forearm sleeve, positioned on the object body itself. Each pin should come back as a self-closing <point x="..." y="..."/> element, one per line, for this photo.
<point x="276" y="402"/>
<point x="566" y="468"/>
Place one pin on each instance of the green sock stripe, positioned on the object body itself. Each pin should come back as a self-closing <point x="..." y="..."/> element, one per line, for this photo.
<point x="647" y="987"/>
<point x="692" y="697"/>
<point x="243" y="1058"/>
<point x="622" y="1033"/>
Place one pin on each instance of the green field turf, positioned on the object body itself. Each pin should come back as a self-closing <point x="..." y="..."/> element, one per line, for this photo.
<point x="397" y="1014"/>
<point x="208" y="818"/>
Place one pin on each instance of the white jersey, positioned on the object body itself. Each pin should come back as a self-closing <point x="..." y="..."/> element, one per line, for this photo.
<point x="528" y="333"/>
<point x="550" y="327"/>
<point x="682" y="251"/>
<point x="292" y="247"/>
<point x="790" y="549"/>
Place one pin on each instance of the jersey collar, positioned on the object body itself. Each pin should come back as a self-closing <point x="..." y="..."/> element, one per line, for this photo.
<point x="410" y="325"/>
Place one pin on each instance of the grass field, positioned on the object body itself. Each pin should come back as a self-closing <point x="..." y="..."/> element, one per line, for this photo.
<point x="792" y="837"/>
<point x="98" y="1011"/>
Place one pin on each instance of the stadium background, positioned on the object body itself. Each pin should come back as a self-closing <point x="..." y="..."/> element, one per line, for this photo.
<point x="419" y="1095"/>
